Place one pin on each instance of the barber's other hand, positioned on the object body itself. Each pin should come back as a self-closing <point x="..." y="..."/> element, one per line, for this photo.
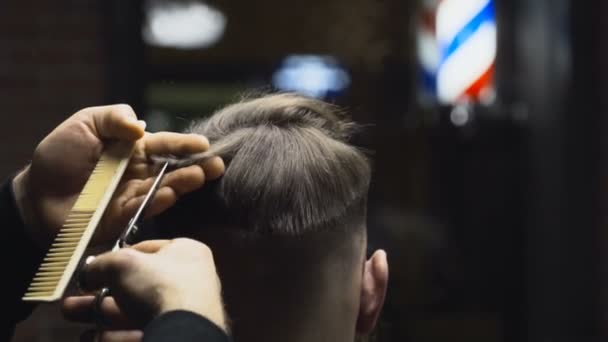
<point x="149" y="279"/>
<point x="61" y="164"/>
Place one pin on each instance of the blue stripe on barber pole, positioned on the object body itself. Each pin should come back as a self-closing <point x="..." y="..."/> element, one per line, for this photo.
<point x="484" y="16"/>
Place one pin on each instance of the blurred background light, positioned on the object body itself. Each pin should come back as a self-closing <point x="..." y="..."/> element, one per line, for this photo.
<point x="460" y="115"/>
<point x="427" y="50"/>
<point x="182" y="25"/>
<point x="311" y="75"/>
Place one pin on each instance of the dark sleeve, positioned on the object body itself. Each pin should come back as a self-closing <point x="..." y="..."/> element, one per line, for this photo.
<point x="183" y="326"/>
<point x="20" y="257"/>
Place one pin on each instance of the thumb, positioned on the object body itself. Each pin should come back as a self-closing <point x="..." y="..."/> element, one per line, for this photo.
<point x="107" y="268"/>
<point x="150" y="246"/>
<point x="116" y="122"/>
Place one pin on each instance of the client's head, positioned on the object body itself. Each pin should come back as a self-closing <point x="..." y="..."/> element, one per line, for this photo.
<point x="287" y="221"/>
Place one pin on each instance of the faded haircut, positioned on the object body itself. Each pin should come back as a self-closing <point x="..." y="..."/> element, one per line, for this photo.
<point x="290" y="168"/>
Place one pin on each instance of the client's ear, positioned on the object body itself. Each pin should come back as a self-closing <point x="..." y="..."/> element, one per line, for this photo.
<point x="373" y="291"/>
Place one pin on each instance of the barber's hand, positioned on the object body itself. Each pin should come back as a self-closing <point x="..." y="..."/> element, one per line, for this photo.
<point x="147" y="280"/>
<point x="47" y="189"/>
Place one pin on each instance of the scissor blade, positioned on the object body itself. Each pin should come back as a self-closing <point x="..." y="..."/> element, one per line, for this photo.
<point x="131" y="227"/>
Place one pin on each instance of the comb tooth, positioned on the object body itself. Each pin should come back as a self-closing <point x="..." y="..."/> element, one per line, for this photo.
<point x="35" y="295"/>
<point x="70" y="229"/>
<point x="79" y="216"/>
<point x="65" y="244"/>
<point x="55" y="263"/>
<point x="45" y="275"/>
<point x="77" y="213"/>
<point x="51" y="268"/>
<point x="53" y="254"/>
<point x="41" y="288"/>
<point x="49" y="274"/>
<point x="57" y="259"/>
<point x="45" y="279"/>
<point x="37" y="285"/>
<point x="60" y="254"/>
<point x="81" y="212"/>
<point x="39" y="293"/>
<point x="41" y="285"/>
<point x="64" y="252"/>
<point x="60" y="239"/>
<point x="76" y="220"/>
<point x="68" y="239"/>
<point x="82" y="224"/>
<point x="61" y="249"/>
<point x="61" y="258"/>
<point x="69" y="234"/>
<point x="74" y="228"/>
<point x="44" y="283"/>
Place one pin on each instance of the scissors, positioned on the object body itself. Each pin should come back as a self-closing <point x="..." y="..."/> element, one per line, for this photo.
<point x="127" y="235"/>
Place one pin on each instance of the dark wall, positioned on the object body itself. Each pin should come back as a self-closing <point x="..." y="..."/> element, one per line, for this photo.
<point x="51" y="64"/>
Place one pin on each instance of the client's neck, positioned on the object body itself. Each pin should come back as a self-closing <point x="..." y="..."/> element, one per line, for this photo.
<point x="284" y="319"/>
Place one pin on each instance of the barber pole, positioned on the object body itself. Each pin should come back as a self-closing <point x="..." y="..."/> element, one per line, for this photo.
<point x="466" y="37"/>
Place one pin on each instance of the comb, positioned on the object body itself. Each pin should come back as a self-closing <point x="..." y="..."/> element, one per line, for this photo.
<point x="64" y="255"/>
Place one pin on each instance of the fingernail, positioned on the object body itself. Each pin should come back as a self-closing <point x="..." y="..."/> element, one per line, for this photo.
<point x="89" y="259"/>
<point x="142" y="124"/>
<point x="80" y="280"/>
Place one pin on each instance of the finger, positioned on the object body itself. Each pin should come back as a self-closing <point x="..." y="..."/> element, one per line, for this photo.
<point x="184" y="180"/>
<point x="118" y="213"/>
<point x="112" y="336"/>
<point x="121" y="336"/>
<point x="163" y="143"/>
<point x="165" y="197"/>
<point x="81" y="309"/>
<point x="151" y="246"/>
<point x="214" y="168"/>
<point x="116" y="122"/>
<point x="106" y="269"/>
